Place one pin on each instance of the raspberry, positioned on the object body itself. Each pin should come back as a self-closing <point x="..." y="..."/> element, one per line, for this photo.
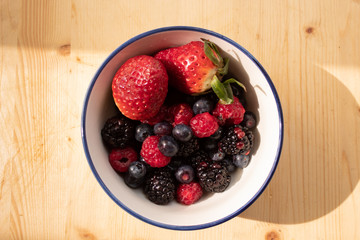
<point x="189" y="193"/>
<point x="120" y="159"/>
<point x="159" y="117"/>
<point x="204" y="125"/>
<point x="229" y="114"/>
<point x="181" y="114"/>
<point x="151" y="153"/>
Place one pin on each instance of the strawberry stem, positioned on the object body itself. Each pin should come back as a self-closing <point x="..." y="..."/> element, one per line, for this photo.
<point x="233" y="80"/>
<point x="212" y="52"/>
<point x="223" y="89"/>
<point x="224" y="70"/>
<point x="220" y="90"/>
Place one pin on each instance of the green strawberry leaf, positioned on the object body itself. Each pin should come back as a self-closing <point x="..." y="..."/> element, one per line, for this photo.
<point x="219" y="89"/>
<point x="223" y="89"/>
<point x="224" y="70"/>
<point x="229" y="93"/>
<point x="212" y="52"/>
<point x="233" y="80"/>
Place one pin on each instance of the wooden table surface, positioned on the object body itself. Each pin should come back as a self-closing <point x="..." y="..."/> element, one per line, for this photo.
<point x="50" y="51"/>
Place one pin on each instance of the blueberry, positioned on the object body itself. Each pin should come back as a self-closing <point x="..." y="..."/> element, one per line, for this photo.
<point x="203" y="105"/>
<point x="241" y="160"/>
<point x="133" y="182"/>
<point x="209" y="144"/>
<point x="143" y="131"/>
<point x="137" y="169"/>
<point x="163" y="128"/>
<point x="182" y="132"/>
<point x="238" y="91"/>
<point x="217" y="134"/>
<point x="148" y="167"/>
<point x="184" y="174"/>
<point x="168" y="146"/>
<point x="217" y="156"/>
<point x="175" y="163"/>
<point x="229" y="165"/>
<point x="249" y="120"/>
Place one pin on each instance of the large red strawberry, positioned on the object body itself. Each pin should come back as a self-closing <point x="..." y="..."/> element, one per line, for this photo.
<point x="140" y="87"/>
<point x="191" y="67"/>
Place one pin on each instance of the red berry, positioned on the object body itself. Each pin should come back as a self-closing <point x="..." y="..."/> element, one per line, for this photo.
<point x="139" y="87"/>
<point x="189" y="68"/>
<point x="159" y="117"/>
<point x="204" y="125"/>
<point x="151" y="153"/>
<point x="120" y="159"/>
<point x="239" y="132"/>
<point x="180" y="114"/>
<point x="229" y="114"/>
<point x="189" y="193"/>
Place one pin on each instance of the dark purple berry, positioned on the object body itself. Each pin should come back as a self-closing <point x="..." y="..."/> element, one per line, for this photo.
<point x="168" y="146"/>
<point x="203" y="105"/>
<point x="239" y="92"/>
<point x="163" y="128"/>
<point x="118" y="132"/>
<point x="241" y="160"/>
<point x="182" y="132"/>
<point x="185" y="174"/>
<point x="135" y="176"/>
<point x="143" y="131"/>
<point x="133" y="182"/>
<point x="148" y="167"/>
<point x="217" y="134"/>
<point x="229" y="165"/>
<point x="249" y="120"/>
<point x="175" y="163"/>
<point x="209" y="144"/>
<point x="217" y="156"/>
<point x="137" y="169"/>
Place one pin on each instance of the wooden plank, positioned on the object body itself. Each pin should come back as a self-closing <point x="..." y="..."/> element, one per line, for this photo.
<point x="50" y="50"/>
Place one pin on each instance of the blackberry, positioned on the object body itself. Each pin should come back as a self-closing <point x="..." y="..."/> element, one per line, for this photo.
<point x="209" y="144"/>
<point x="237" y="140"/>
<point x="197" y="158"/>
<point x="118" y="132"/>
<point x="160" y="186"/>
<point x="213" y="176"/>
<point x="188" y="148"/>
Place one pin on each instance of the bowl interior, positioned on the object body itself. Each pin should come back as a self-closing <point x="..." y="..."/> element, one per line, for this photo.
<point x="245" y="186"/>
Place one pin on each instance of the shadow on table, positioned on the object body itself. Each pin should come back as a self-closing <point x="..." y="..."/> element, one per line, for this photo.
<point x="318" y="169"/>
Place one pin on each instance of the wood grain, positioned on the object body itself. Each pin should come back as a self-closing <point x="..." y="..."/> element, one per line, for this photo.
<point x="50" y="50"/>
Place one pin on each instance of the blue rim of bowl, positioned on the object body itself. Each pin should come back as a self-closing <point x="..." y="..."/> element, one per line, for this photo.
<point x="147" y="220"/>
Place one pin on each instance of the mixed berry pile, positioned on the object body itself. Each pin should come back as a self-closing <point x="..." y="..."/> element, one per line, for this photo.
<point x="181" y="130"/>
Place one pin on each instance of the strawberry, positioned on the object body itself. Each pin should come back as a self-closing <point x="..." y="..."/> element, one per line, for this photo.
<point x="191" y="67"/>
<point x="159" y="117"/>
<point x="139" y="87"/>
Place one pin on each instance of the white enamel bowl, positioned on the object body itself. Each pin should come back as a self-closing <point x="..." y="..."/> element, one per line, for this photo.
<point x="246" y="185"/>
